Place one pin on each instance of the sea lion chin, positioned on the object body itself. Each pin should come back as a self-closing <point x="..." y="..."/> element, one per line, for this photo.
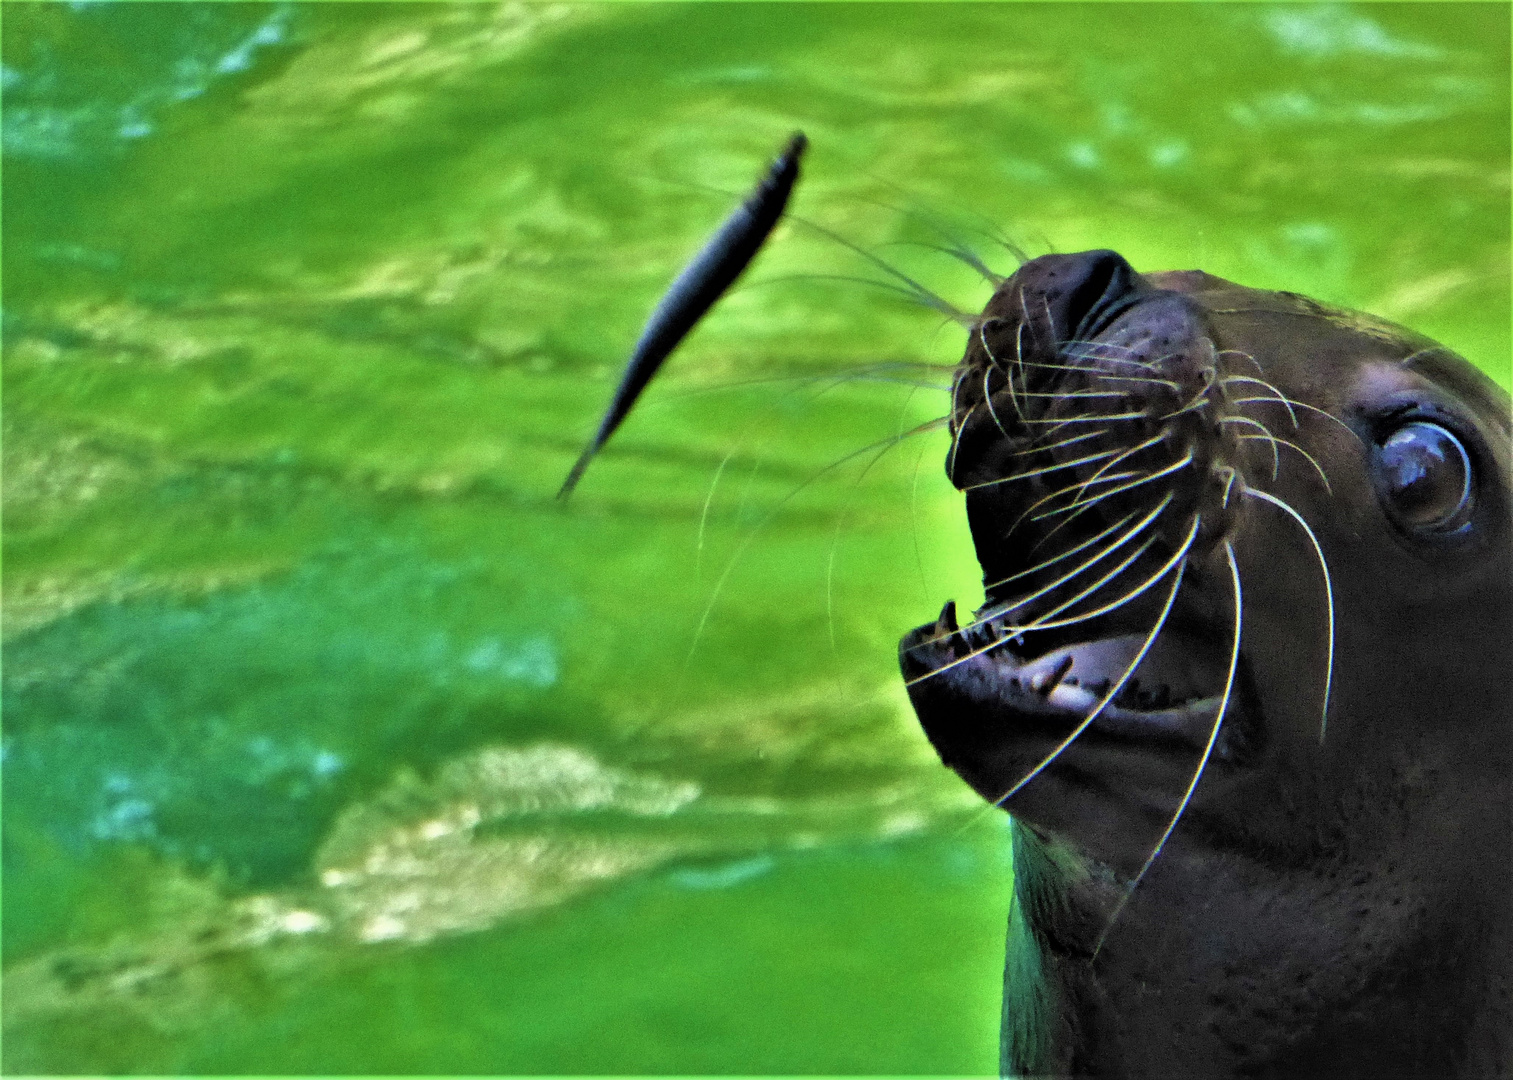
<point x="1243" y="678"/>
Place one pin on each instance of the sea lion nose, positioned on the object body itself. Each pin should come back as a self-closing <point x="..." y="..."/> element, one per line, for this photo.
<point x="1081" y="292"/>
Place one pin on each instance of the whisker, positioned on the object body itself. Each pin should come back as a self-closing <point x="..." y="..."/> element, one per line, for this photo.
<point x="1042" y="470"/>
<point x="919" y="557"/>
<point x="1152" y="441"/>
<point x="1268" y="436"/>
<point x="966" y="256"/>
<point x="1120" y="394"/>
<point x="1077" y="510"/>
<point x="1280" y="397"/>
<point x="841" y="520"/>
<point x="1001" y="609"/>
<point x="1095" y="350"/>
<point x="1180" y="561"/>
<point x="1086" y="419"/>
<point x="1048" y="620"/>
<point x="1104" y="375"/>
<point x="1041" y="624"/>
<point x="1030" y="510"/>
<point x="1037" y="448"/>
<point x="1328" y="593"/>
<point x="982" y="337"/>
<point x="1228" y="483"/>
<point x="987" y="396"/>
<point x="956" y="435"/>
<point x="926" y="300"/>
<point x="1199" y="398"/>
<point x="1213" y="735"/>
<point x="1243" y="356"/>
<point x="698" y="559"/>
<point x="1135" y="530"/>
<point x="957" y="246"/>
<point x="918" y="291"/>
<point x="1046" y="623"/>
<point x="1053" y="560"/>
<point x="1325" y="413"/>
<point x="1277" y="439"/>
<point x="1019" y="353"/>
<point x="1185" y="461"/>
<point x="868" y="373"/>
<point x="884" y="444"/>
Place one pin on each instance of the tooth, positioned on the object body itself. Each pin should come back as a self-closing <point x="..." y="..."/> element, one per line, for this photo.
<point x="1044" y="683"/>
<point x="947" y="621"/>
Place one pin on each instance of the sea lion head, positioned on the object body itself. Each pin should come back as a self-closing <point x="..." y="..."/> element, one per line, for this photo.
<point x="1247" y="562"/>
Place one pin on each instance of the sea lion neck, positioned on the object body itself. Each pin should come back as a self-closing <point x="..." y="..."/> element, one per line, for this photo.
<point x="1235" y="967"/>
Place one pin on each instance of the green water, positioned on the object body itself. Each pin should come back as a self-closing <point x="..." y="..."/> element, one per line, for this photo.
<point x="332" y="742"/>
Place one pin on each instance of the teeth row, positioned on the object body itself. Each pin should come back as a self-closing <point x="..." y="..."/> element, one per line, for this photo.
<point x="980" y="635"/>
<point x="977" y="635"/>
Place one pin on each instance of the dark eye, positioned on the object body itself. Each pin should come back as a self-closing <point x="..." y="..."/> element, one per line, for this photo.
<point x="1423" y="477"/>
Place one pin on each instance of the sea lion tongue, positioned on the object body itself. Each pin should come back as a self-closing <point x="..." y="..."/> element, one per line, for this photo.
<point x="1242" y="676"/>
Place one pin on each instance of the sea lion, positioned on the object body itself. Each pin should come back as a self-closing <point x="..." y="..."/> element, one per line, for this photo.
<point x="1242" y="677"/>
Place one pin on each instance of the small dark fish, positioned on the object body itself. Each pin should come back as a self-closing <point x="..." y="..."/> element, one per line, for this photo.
<point x="696" y="289"/>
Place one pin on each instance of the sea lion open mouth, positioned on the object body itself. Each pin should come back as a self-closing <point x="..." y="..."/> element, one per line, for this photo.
<point x="1170" y="704"/>
<point x="1247" y="571"/>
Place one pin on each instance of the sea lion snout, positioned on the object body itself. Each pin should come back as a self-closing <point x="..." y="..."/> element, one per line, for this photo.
<point x="1086" y="394"/>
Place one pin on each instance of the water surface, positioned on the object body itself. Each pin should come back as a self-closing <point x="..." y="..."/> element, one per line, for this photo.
<point x="333" y="743"/>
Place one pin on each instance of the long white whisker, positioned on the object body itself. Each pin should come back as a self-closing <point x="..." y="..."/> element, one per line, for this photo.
<point x="1072" y="395"/>
<point x="1042" y="470"/>
<point x="1120" y="682"/>
<point x="1213" y="735"/>
<point x="1029" y="511"/>
<point x="1078" y="348"/>
<point x="1242" y="355"/>
<point x="1134" y="531"/>
<point x="982" y="336"/>
<point x="1087" y="418"/>
<point x="1152" y="441"/>
<point x="1047" y="624"/>
<point x="1043" y="621"/>
<point x="1306" y="457"/>
<point x="1019" y="351"/>
<point x="1295" y="403"/>
<point x="1077" y="510"/>
<point x="1276" y="457"/>
<point x="1199" y="398"/>
<point x="719" y="585"/>
<point x="1185" y="461"/>
<point x="1280" y="397"/>
<point x="956" y="435"/>
<point x="698" y="559"/>
<point x="1037" y="448"/>
<point x="1053" y="560"/>
<point x="1096" y="372"/>
<point x="987" y="396"/>
<point x="1328" y="593"/>
<point x="1000" y="609"/>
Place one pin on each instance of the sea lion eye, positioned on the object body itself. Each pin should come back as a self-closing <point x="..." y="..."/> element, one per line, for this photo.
<point x="1423" y="477"/>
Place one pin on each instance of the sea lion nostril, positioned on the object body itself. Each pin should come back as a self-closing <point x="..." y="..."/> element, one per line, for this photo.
<point x="1106" y="280"/>
<point x="1082" y="290"/>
